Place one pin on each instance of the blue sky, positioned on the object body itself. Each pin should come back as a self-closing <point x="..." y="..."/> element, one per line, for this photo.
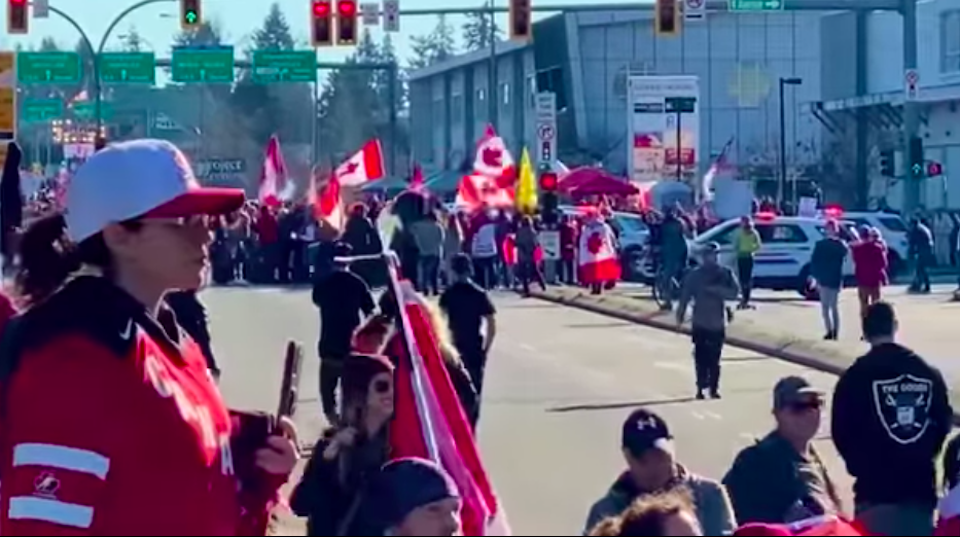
<point x="158" y="23"/>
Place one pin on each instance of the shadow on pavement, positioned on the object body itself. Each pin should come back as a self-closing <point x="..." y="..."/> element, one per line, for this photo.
<point x="599" y="325"/>
<point x="615" y="406"/>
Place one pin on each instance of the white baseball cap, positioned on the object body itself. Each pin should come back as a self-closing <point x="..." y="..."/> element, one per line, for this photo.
<point x="139" y="178"/>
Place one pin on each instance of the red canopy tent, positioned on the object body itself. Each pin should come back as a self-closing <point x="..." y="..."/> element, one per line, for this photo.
<point x="588" y="181"/>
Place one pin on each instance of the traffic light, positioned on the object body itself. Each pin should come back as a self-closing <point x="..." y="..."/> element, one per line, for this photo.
<point x="934" y="169"/>
<point x="549" y="198"/>
<point x="521" y="22"/>
<point x="18" y="19"/>
<point x="887" y="164"/>
<point x="667" y="17"/>
<point x="917" y="166"/>
<point x="190" y="16"/>
<point x="322" y="16"/>
<point x="346" y="22"/>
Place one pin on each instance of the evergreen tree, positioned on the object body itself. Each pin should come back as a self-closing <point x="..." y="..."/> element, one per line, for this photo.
<point x="131" y="41"/>
<point x="434" y="47"/>
<point x="476" y="31"/>
<point x="208" y="34"/>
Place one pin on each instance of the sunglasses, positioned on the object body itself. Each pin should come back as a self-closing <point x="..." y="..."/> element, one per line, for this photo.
<point x="382" y="386"/>
<point x="805" y="406"/>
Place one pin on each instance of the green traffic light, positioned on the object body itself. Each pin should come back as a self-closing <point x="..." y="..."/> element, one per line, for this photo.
<point x="191" y="17"/>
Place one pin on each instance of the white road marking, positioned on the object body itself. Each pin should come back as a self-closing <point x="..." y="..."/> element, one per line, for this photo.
<point x="697" y="415"/>
<point x="673" y="366"/>
<point x="712" y="415"/>
<point x="527" y="347"/>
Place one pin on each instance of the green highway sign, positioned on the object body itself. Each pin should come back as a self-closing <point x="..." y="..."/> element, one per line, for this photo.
<point x="88" y="110"/>
<point x="127" y="67"/>
<point x="284" y="66"/>
<point x="40" y="110"/>
<point x="207" y="64"/>
<point x="755" y="5"/>
<point x="48" y="67"/>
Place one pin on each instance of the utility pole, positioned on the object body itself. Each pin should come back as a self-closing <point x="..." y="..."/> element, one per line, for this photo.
<point x="912" y="186"/>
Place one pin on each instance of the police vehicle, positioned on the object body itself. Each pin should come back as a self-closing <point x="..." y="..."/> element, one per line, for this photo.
<point x="783" y="262"/>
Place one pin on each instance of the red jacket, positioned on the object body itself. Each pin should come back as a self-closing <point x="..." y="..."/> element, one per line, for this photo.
<point x="870" y="263"/>
<point x="113" y="426"/>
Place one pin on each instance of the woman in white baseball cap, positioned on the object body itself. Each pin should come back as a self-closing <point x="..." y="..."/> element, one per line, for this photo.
<point x="111" y="423"/>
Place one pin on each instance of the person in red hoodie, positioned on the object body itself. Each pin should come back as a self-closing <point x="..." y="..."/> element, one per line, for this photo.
<point x="870" y="267"/>
<point x="111" y="421"/>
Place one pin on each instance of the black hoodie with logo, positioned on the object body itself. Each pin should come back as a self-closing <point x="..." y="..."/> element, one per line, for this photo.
<point x="891" y="415"/>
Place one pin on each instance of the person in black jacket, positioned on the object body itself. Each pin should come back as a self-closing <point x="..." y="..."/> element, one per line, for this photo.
<point x="192" y="317"/>
<point x="891" y="415"/>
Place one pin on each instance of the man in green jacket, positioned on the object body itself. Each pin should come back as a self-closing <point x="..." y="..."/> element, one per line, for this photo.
<point x="746" y="243"/>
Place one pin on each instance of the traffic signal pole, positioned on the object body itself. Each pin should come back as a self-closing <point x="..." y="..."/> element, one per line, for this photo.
<point x="913" y="185"/>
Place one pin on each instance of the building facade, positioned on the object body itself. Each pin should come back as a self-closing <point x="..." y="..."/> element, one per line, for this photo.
<point x="585" y="57"/>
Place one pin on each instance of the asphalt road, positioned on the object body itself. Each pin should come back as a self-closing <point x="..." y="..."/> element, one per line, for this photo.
<point x="560" y="382"/>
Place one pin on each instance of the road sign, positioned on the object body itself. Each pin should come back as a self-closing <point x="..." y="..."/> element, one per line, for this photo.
<point x="48" y="67"/>
<point x="550" y="244"/>
<point x="41" y="9"/>
<point x="546" y="121"/>
<point x="284" y="66"/>
<point x="127" y="67"/>
<point x="680" y="105"/>
<point x="694" y="10"/>
<point x="391" y="16"/>
<point x="40" y="110"/>
<point x="88" y="110"/>
<point x="911" y="84"/>
<point x="755" y="5"/>
<point x="202" y="64"/>
<point x="370" y="13"/>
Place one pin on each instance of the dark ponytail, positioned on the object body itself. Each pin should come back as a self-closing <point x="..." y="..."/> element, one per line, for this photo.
<point x="47" y="257"/>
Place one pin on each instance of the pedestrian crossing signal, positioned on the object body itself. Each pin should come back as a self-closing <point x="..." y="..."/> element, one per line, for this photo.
<point x="521" y="21"/>
<point x="190" y="16"/>
<point x="548" y="182"/>
<point x="322" y="17"/>
<point x="346" y="22"/>
<point x="18" y="19"/>
<point x="667" y="17"/>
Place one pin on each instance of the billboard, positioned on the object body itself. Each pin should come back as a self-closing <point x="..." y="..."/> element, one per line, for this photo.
<point x="663" y="126"/>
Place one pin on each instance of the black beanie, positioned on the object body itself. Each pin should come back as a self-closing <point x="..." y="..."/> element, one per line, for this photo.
<point x="404" y="485"/>
<point x="359" y="370"/>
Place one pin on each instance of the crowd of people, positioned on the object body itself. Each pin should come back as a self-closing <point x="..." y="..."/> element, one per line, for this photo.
<point x="137" y="382"/>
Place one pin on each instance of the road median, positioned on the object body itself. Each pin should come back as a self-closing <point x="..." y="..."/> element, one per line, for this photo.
<point x="826" y="356"/>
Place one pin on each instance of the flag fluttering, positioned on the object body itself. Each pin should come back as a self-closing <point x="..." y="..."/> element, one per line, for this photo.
<point x="718" y="167"/>
<point x="274" y="184"/>
<point x="494" y="175"/>
<point x="526" y="199"/>
<point x="429" y="421"/>
<point x="364" y="166"/>
<point x="326" y="201"/>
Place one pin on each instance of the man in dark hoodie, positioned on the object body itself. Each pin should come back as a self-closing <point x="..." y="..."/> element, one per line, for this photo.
<point x="651" y="469"/>
<point x="891" y="415"/>
<point x="826" y="267"/>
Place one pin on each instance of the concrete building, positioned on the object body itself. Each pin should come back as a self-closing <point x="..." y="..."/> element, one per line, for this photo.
<point x="863" y="107"/>
<point x="585" y="57"/>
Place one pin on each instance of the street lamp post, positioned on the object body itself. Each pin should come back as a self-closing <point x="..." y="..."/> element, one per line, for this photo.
<point x="782" y="184"/>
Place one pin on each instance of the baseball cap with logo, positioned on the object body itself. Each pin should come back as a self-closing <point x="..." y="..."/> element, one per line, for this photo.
<point x="791" y="390"/>
<point x="139" y="178"/>
<point x="644" y="430"/>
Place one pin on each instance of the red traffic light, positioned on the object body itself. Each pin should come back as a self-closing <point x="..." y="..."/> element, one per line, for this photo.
<point x="347" y="7"/>
<point x="934" y="169"/>
<point x="18" y="2"/>
<point x="321" y="9"/>
<point x="548" y="181"/>
<point x="18" y="19"/>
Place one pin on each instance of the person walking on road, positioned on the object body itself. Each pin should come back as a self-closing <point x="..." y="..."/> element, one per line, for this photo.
<point x="891" y="415"/>
<point x="782" y="479"/>
<point x="342" y="297"/>
<point x="826" y="268"/>
<point x="746" y="244"/>
<point x="527" y="243"/>
<point x="471" y="316"/>
<point x="429" y="236"/>
<point x="709" y="286"/>
<point x="869" y="267"/>
<point x="652" y="469"/>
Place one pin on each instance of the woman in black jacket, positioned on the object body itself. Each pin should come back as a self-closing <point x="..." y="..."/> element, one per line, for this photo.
<point x="347" y="455"/>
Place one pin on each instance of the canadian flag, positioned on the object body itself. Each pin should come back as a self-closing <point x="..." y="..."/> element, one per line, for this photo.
<point x="365" y="166"/>
<point x="597" y="253"/>
<point x="273" y="175"/>
<point x="326" y="201"/>
<point x="494" y="160"/>
<point x="477" y="190"/>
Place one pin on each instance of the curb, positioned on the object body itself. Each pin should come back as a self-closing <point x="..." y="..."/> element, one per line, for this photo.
<point x="796" y="351"/>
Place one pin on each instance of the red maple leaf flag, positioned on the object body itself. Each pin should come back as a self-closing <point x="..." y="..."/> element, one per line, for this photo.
<point x="364" y="166"/>
<point x="598" y="255"/>
<point x="494" y="159"/>
<point x="274" y="186"/>
<point x="430" y="423"/>
<point x="326" y="201"/>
